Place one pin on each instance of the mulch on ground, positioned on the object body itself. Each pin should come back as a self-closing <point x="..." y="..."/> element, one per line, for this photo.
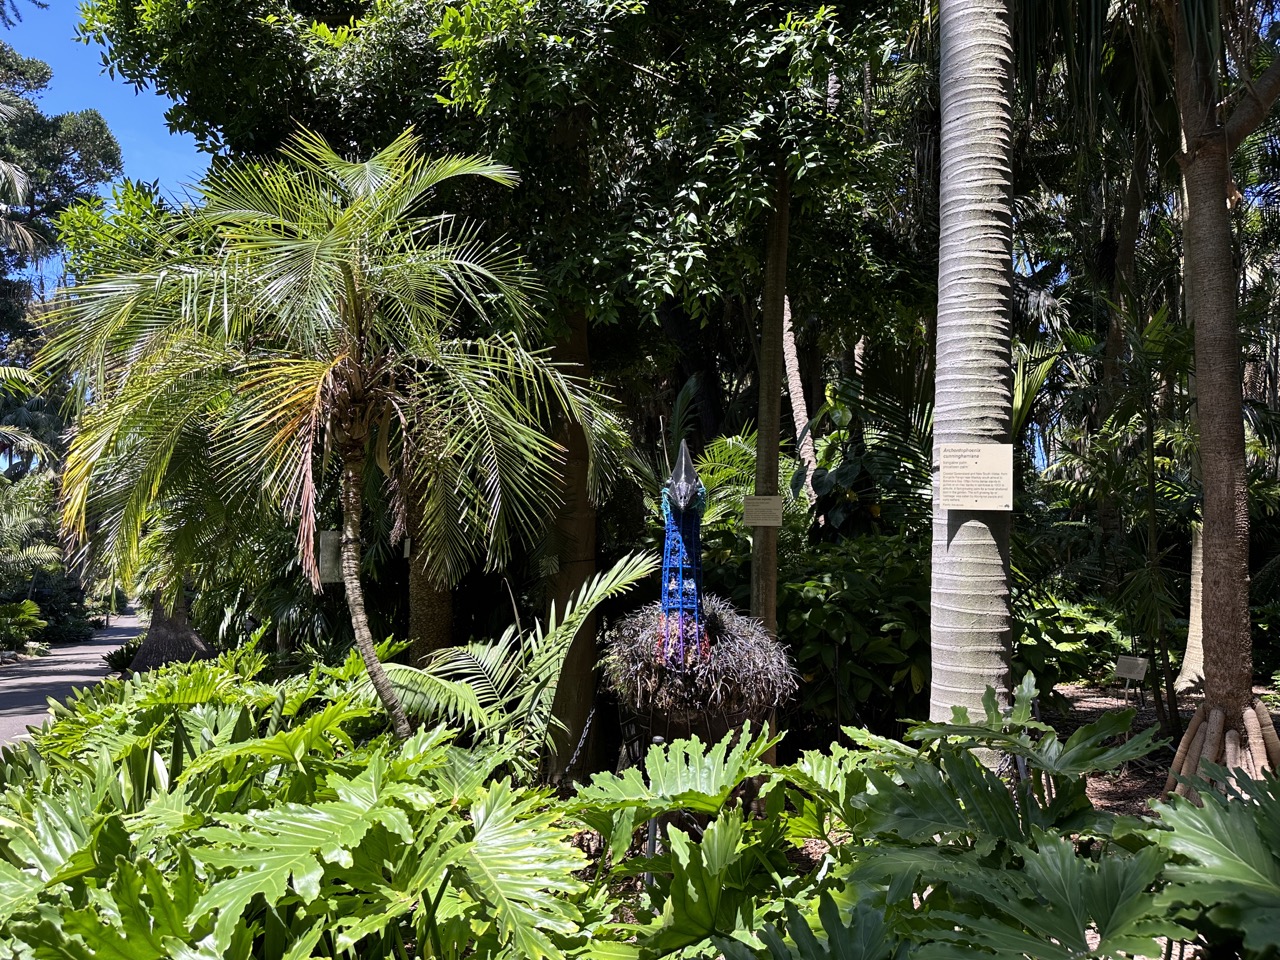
<point x="1130" y="788"/>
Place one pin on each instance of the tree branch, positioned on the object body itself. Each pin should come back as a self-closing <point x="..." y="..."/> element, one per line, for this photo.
<point x="1260" y="96"/>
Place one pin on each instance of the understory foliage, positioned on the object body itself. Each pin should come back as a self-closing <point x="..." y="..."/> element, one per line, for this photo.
<point x="200" y="812"/>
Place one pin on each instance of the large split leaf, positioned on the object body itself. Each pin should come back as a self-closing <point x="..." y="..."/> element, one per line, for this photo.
<point x="864" y="937"/>
<point x="516" y="863"/>
<point x="682" y="775"/>
<point x="1059" y="906"/>
<point x="702" y="897"/>
<point x="1228" y="858"/>
<point x="284" y="848"/>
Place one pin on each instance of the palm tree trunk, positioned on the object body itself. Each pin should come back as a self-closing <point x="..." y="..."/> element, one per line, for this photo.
<point x="170" y="638"/>
<point x="764" y="540"/>
<point x="1192" y="672"/>
<point x="352" y="514"/>
<point x="1210" y="293"/>
<point x="1210" y="296"/>
<point x="430" y="613"/>
<point x="971" y="625"/>
<point x="799" y="403"/>
<point x="1123" y="303"/>
<point x="1122" y="290"/>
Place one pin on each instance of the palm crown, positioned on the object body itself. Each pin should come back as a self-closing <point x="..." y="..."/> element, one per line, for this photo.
<point x="309" y="310"/>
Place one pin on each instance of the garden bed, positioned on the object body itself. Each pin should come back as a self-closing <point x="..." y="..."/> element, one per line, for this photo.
<point x="1130" y="788"/>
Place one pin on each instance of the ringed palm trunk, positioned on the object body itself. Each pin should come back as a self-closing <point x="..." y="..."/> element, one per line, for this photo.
<point x="971" y="628"/>
<point x="799" y="403"/>
<point x="1191" y="674"/>
<point x="1230" y="726"/>
<point x="352" y="514"/>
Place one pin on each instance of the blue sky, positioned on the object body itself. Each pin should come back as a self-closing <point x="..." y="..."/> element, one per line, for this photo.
<point x="79" y="82"/>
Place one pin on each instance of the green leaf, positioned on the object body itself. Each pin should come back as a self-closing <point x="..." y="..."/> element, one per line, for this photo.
<point x="518" y="864"/>
<point x="682" y="775"/>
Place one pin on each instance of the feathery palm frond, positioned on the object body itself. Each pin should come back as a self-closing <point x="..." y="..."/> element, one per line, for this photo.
<point x="514" y="678"/>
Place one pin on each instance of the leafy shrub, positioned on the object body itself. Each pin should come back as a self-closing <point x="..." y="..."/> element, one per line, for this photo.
<point x="197" y="811"/>
<point x="1060" y="641"/>
<point x="19" y="623"/>
<point x="118" y="660"/>
<point x="856" y="615"/>
<point x="61" y="603"/>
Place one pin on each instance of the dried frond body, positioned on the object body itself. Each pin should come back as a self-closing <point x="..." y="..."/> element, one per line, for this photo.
<point x="741" y="673"/>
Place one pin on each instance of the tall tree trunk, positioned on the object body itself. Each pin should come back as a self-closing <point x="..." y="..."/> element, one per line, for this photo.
<point x="764" y="540"/>
<point x="1123" y="303"/>
<point x="971" y="626"/>
<point x="352" y="514"/>
<point x="430" y="613"/>
<point x="170" y="637"/>
<point x="430" y="603"/>
<point x="799" y="403"/>
<point x="576" y="539"/>
<point x="1122" y="286"/>
<point x="1210" y="294"/>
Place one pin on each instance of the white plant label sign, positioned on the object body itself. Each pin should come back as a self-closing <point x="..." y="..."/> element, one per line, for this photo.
<point x="1131" y="668"/>
<point x="976" y="476"/>
<point x="762" y="511"/>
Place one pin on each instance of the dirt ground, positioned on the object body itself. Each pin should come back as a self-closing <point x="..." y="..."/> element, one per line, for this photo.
<point x="1130" y="788"/>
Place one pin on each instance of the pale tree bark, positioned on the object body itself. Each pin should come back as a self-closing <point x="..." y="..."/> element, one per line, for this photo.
<point x="971" y="626"/>
<point x="352" y="515"/>
<point x="1209" y="138"/>
<point x="575" y="531"/>
<point x="1191" y="673"/>
<point x="764" y="540"/>
<point x="799" y="404"/>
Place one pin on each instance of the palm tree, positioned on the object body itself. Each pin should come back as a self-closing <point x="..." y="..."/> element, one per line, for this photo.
<point x="310" y="311"/>
<point x="1216" y="113"/>
<point x="971" y="632"/>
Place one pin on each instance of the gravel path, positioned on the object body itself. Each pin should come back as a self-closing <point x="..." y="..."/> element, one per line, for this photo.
<point x="26" y="685"/>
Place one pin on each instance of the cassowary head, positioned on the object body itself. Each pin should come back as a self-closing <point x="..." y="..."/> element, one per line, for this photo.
<point x="682" y="488"/>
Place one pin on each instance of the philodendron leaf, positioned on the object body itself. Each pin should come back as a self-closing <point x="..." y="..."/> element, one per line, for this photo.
<point x="702" y="900"/>
<point x="1059" y="906"/>
<point x="958" y="799"/>
<point x="285" y="847"/>
<point x="520" y="866"/>
<point x="863" y="937"/>
<point x="18" y="890"/>
<point x="683" y="775"/>
<point x="1230" y="858"/>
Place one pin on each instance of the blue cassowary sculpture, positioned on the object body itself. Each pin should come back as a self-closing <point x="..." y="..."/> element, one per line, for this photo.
<point x="689" y="661"/>
<point x="681" y="627"/>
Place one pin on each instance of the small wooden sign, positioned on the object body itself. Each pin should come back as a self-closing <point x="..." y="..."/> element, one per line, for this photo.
<point x="976" y="476"/>
<point x="329" y="555"/>
<point x="762" y="511"/>
<point x="1131" y="668"/>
